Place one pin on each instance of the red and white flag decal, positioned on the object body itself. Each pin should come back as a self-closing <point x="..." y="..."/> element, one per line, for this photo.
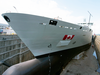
<point x="69" y="37"/>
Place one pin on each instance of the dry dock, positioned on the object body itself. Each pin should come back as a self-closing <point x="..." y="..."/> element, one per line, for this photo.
<point x="97" y="47"/>
<point x="13" y="51"/>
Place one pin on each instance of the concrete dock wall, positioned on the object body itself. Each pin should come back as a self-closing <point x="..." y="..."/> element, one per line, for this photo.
<point x="12" y="51"/>
<point x="97" y="47"/>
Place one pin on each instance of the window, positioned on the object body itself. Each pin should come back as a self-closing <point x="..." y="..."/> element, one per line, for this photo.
<point x="66" y="27"/>
<point x="74" y="28"/>
<point x="70" y="27"/>
<point x="52" y="22"/>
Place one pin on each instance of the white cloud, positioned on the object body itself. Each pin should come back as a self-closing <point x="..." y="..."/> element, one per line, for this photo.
<point x="47" y="8"/>
<point x="96" y="27"/>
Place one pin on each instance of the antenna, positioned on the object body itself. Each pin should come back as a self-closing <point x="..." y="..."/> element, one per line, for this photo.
<point x="15" y="8"/>
<point x="89" y="17"/>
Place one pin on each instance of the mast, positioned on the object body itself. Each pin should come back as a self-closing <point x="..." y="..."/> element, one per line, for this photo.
<point x="89" y="17"/>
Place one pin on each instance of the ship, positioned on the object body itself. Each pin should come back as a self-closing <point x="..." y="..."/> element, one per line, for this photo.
<point x="53" y="42"/>
<point x="44" y="35"/>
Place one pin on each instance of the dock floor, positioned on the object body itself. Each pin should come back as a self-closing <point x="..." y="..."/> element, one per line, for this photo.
<point x="86" y="65"/>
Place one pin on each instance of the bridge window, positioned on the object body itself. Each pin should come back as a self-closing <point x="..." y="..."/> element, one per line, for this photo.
<point x="52" y="22"/>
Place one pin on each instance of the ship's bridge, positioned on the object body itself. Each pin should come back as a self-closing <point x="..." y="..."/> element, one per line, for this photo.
<point x="85" y="24"/>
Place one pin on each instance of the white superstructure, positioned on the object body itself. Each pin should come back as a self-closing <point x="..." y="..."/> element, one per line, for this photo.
<point x="45" y="35"/>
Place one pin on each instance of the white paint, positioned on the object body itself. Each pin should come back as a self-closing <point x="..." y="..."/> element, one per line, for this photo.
<point x="37" y="37"/>
<point x="63" y="43"/>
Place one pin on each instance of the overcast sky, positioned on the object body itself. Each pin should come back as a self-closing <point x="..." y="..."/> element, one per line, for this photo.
<point x="74" y="11"/>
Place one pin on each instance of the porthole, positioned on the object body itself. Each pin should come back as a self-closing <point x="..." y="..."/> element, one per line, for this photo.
<point x="80" y="27"/>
